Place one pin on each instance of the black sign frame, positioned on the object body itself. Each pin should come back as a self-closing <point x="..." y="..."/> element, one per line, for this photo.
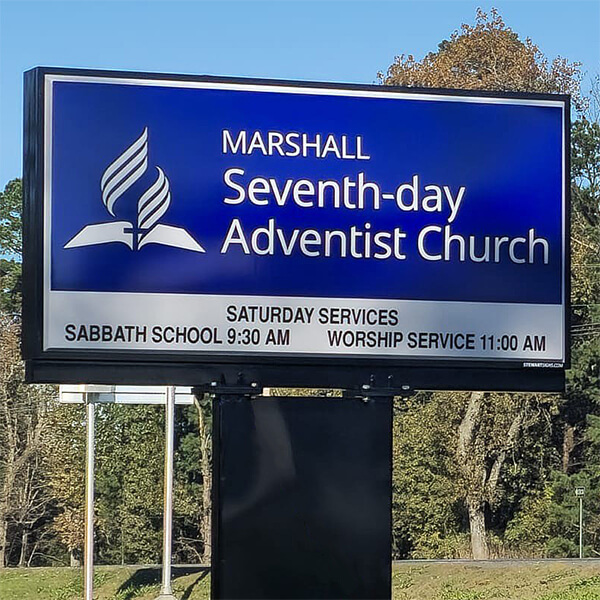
<point x="181" y="368"/>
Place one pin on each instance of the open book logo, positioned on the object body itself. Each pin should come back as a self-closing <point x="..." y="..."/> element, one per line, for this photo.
<point x="119" y="176"/>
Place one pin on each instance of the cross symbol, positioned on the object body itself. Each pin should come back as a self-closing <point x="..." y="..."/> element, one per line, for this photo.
<point x="137" y="234"/>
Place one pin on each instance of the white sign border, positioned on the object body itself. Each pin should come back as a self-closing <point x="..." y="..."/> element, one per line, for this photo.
<point x="307" y="89"/>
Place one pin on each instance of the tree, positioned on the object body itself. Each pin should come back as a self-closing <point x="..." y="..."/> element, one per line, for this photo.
<point x="487" y="56"/>
<point x="582" y="397"/>
<point x="64" y="450"/>
<point x="11" y="247"/>
<point x="11" y="237"/>
<point x="548" y="523"/>
<point x="204" y="414"/>
<point x="10" y="286"/>
<point x="26" y="501"/>
<point x="24" y="491"/>
<point x="496" y="430"/>
<point x="34" y="502"/>
<point x="426" y="517"/>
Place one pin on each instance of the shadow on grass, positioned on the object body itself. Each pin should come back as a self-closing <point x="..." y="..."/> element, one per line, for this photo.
<point x="188" y="592"/>
<point x="151" y="576"/>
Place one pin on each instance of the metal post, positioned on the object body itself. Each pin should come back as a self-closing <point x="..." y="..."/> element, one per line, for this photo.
<point x="88" y="556"/>
<point x="166" y="592"/>
<point x="580" y="527"/>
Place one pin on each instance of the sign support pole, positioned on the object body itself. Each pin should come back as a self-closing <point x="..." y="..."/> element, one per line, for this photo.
<point x="344" y="559"/>
<point x="88" y="556"/>
<point x="166" y="591"/>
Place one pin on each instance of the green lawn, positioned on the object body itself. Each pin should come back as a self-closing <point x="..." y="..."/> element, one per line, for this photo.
<point x="459" y="581"/>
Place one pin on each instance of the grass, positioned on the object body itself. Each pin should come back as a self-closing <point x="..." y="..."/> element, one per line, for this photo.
<point x="413" y="581"/>
<point x="110" y="583"/>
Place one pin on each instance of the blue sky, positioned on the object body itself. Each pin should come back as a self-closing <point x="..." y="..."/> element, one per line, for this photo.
<point x="324" y="41"/>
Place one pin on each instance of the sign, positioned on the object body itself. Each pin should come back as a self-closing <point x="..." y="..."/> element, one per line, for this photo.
<point x="122" y="394"/>
<point x="579" y="491"/>
<point x="220" y="221"/>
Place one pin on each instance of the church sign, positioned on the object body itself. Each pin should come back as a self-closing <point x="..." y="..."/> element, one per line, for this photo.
<point x="213" y="220"/>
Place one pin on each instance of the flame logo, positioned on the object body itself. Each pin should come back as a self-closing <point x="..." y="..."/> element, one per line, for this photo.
<point x="122" y="173"/>
<point x="154" y="203"/>
<point x="118" y="177"/>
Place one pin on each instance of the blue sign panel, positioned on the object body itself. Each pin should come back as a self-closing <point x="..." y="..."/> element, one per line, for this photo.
<point x="257" y="218"/>
<point x="292" y="194"/>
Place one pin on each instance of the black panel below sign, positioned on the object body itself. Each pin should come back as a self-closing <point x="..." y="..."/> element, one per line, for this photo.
<point x="327" y="373"/>
<point x="302" y="499"/>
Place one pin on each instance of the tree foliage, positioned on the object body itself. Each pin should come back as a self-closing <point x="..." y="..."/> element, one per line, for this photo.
<point x="499" y="461"/>
<point x="25" y="498"/>
<point x="11" y="247"/>
<point x="64" y="449"/>
<point x="585" y="220"/>
<point x="11" y="237"/>
<point x="426" y="511"/>
<point x="487" y="56"/>
<point x="129" y="471"/>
